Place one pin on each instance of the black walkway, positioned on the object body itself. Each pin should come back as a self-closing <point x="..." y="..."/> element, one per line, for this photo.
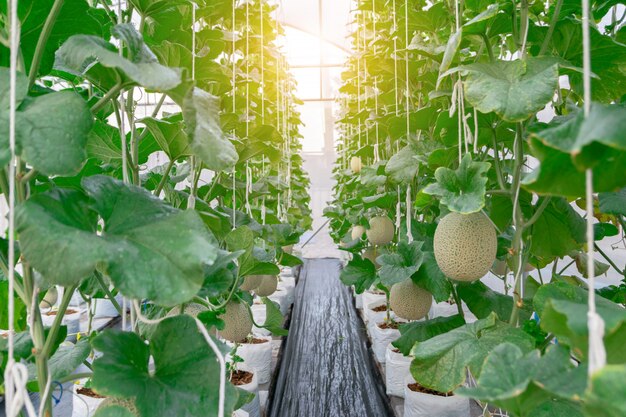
<point x="326" y="370"/>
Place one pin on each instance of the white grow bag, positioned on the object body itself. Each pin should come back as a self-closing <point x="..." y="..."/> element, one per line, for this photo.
<point x="84" y="405"/>
<point x="370" y="297"/>
<point x="105" y="308"/>
<point x="381" y="338"/>
<point x="72" y="321"/>
<point x="371" y="316"/>
<point x="258" y="357"/>
<point x="397" y="369"/>
<point x="419" y="404"/>
<point x="253" y="408"/>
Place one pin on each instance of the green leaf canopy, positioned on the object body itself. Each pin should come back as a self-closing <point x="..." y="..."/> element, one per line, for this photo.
<point x="148" y="249"/>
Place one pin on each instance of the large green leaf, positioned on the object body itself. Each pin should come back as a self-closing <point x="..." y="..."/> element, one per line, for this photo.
<point x="418" y="331"/>
<point x="558" y="230"/>
<point x="482" y="301"/>
<point x="51" y="130"/>
<point x="587" y="138"/>
<point x="273" y="318"/>
<point x="184" y="381"/>
<point x="441" y="363"/>
<point x="400" y="265"/>
<point x="462" y="190"/>
<point x="402" y="167"/>
<point x="515" y="381"/>
<point x="169" y="135"/>
<point x="563" y="312"/>
<point x="206" y="139"/>
<point x="99" y="61"/>
<point x="63" y="363"/>
<point x="613" y="203"/>
<point x="359" y="272"/>
<point x="432" y="279"/>
<point x="147" y="248"/>
<point x="514" y="90"/>
<point x="607" y="394"/>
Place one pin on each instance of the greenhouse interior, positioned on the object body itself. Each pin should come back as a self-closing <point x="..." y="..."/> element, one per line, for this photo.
<point x="312" y="208"/>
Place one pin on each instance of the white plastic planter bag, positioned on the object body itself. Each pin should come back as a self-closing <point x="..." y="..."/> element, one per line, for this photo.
<point x="258" y="357"/>
<point x="105" y="308"/>
<point x="358" y="300"/>
<point x="397" y="369"/>
<point x="286" y="272"/>
<point x="370" y="297"/>
<point x="84" y="405"/>
<point x="253" y="408"/>
<point x="259" y="314"/>
<point x="289" y="293"/>
<point x="371" y="316"/>
<point x="72" y="321"/>
<point x="381" y="339"/>
<point x="419" y="404"/>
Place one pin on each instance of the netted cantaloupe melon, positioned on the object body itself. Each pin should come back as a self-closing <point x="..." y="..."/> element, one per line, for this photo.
<point x="356" y="164"/>
<point x="357" y="232"/>
<point x="371" y="253"/>
<point x="381" y="231"/>
<point x="237" y="322"/>
<point x="268" y="286"/>
<point x="191" y="309"/>
<point x="251" y="282"/>
<point x="409" y="301"/>
<point x="465" y="246"/>
<point x="126" y="403"/>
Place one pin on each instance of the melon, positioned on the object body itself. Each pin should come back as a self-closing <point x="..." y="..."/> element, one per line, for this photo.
<point x="381" y="231"/>
<point x="371" y="253"/>
<point x="465" y="246"/>
<point x="125" y="403"/>
<point x="268" y="286"/>
<point x="355" y="164"/>
<point x="409" y="301"/>
<point x="192" y="309"/>
<point x="357" y="232"/>
<point x="251" y="282"/>
<point x="237" y="322"/>
<point x="50" y="299"/>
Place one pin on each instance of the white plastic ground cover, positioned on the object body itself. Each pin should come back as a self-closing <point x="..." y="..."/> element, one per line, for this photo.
<point x="419" y="404"/>
<point x="253" y="408"/>
<point x="258" y="357"/>
<point x="258" y="312"/>
<point x="397" y="369"/>
<point x="381" y="339"/>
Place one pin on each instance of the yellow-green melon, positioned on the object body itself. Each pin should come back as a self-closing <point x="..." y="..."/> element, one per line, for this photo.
<point x="381" y="231"/>
<point x="355" y="164"/>
<point x="128" y="404"/>
<point x="192" y="309"/>
<point x="371" y="253"/>
<point x="409" y="301"/>
<point x="465" y="246"/>
<point x="251" y="282"/>
<point x="268" y="286"/>
<point x="237" y="322"/>
<point x="357" y="232"/>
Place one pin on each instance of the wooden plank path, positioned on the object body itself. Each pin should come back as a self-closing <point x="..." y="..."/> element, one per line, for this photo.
<point x="326" y="369"/>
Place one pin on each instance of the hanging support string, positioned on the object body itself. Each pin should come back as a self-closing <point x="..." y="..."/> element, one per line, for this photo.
<point x="597" y="351"/>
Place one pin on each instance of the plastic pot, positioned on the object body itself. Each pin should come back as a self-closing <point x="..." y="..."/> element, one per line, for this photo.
<point x="419" y="404"/>
<point x="253" y="408"/>
<point x="85" y="405"/>
<point x="370" y="297"/>
<point x="71" y="320"/>
<point x="105" y="308"/>
<point x="381" y="338"/>
<point x="371" y="316"/>
<point x="258" y="358"/>
<point x="397" y="369"/>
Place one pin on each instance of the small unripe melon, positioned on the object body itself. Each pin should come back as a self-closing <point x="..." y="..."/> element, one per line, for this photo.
<point x="126" y="403"/>
<point x="192" y="309"/>
<point x="357" y="232"/>
<point x="409" y="301"/>
<point x="237" y="322"/>
<point x="465" y="246"/>
<point x="371" y="253"/>
<point x="355" y="164"/>
<point x="268" y="286"/>
<point x="251" y="282"/>
<point x="381" y="231"/>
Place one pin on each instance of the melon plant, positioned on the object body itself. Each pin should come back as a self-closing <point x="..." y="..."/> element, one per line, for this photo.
<point x="465" y="246"/>
<point x="237" y="321"/>
<point x="381" y="231"/>
<point x="409" y="301"/>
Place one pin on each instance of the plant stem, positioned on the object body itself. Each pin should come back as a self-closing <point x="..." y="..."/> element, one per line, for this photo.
<point x="58" y="319"/>
<point x="43" y="39"/>
<point x="496" y="163"/>
<point x="518" y="225"/>
<point x="75" y="377"/>
<point x="595" y="245"/>
<point x="538" y="212"/>
<point x="566" y="266"/>
<point x="553" y="21"/>
<point x="108" y="293"/>
<point x="488" y="46"/>
<point x="457" y="300"/>
<point x="113" y="92"/>
<point x="166" y="174"/>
